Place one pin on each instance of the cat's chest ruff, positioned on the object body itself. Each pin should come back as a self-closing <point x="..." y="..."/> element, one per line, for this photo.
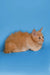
<point x="37" y="47"/>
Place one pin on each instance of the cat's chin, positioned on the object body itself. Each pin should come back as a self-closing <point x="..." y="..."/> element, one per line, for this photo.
<point x="40" y="43"/>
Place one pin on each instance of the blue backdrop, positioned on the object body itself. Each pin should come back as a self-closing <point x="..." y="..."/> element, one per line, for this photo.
<point x="25" y="15"/>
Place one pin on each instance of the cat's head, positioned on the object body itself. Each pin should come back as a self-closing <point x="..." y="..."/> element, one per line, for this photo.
<point x="38" y="36"/>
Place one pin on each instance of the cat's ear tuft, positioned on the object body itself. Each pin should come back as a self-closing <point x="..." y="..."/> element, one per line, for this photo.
<point x="40" y="29"/>
<point x="34" y="32"/>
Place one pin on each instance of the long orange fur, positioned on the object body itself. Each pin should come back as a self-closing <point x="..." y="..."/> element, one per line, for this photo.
<point x="19" y="41"/>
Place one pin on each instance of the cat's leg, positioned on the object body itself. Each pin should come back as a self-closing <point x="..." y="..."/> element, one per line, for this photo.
<point x="20" y="50"/>
<point x="32" y="46"/>
<point x="6" y="51"/>
<point x="9" y="47"/>
<point x="16" y="50"/>
<point x="35" y="48"/>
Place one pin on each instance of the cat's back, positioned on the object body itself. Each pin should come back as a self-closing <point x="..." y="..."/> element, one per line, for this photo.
<point x="20" y="34"/>
<point x="17" y="36"/>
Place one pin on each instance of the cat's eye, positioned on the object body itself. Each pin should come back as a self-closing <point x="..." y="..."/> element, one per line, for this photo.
<point x="39" y="37"/>
<point x="43" y="37"/>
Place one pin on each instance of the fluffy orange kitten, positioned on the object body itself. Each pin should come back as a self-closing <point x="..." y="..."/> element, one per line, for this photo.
<point x="19" y="41"/>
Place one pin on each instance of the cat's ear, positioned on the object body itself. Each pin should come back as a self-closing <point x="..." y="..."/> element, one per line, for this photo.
<point x="34" y="32"/>
<point x="40" y="29"/>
